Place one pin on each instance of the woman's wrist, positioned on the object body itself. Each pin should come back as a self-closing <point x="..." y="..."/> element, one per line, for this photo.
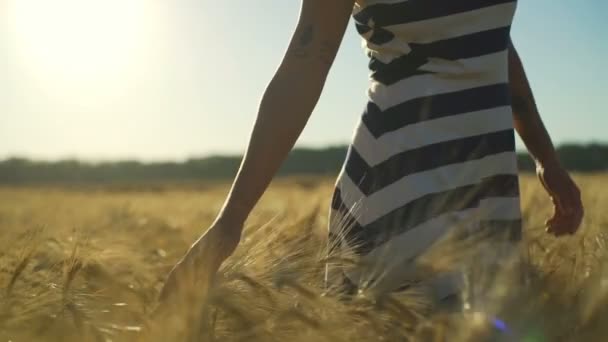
<point x="547" y="161"/>
<point x="233" y="213"/>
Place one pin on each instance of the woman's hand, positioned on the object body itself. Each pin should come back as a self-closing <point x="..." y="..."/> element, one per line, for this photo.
<point x="195" y="272"/>
<point x="567" y="205"/>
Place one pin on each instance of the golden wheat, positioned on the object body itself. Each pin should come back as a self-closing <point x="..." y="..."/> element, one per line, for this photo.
<point x="86" y="264"/>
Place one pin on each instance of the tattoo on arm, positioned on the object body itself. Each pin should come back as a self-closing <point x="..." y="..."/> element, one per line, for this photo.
<point x="304" y="41"/>
<point x="302" y="50"/>
<point x="307" y="35"/>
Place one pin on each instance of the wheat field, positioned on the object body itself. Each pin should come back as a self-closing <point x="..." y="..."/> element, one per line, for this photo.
<point x="86" y="263"/>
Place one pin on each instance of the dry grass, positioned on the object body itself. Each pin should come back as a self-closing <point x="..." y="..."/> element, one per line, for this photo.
<point x="87" y="264"/>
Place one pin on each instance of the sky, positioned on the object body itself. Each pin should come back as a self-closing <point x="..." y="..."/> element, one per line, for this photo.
<point x="169" y="80"/>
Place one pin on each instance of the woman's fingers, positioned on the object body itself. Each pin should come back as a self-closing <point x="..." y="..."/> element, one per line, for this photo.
<point x="578" y="210"/>
<point x="567" y="215"/>
<point x="568" y="209"/>
<point x="553" y="224"/>
<point x="573" y="207"/>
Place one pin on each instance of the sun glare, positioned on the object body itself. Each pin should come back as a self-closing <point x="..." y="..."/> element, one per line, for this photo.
<point x="76" y="40"/>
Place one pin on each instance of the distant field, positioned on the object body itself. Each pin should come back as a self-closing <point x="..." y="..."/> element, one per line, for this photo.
<point x="86" y="264"/>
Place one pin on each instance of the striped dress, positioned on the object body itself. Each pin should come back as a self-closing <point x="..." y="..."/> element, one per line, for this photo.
<point x="434" y="148"/>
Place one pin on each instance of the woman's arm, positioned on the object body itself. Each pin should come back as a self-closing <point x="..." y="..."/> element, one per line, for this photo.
<point x="288" y="100"/>
<point x="568" y="208"/>
<point x="284" y="110"/>
<point x="526" y="117"/>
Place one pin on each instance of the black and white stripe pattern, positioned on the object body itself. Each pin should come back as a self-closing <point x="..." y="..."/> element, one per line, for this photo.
<point x="435" y="145"/>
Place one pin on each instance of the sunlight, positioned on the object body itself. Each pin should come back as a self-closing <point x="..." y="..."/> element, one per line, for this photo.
<point x="77" y="40"/>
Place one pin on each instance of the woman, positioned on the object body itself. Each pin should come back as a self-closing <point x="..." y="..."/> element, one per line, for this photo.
<point x="435" y="145"/>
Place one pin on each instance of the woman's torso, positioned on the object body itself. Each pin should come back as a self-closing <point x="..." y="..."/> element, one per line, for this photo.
<point x="435" y="146"/>
<point x="451" y="44"/>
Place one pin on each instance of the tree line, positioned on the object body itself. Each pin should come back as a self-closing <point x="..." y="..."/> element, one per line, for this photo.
<point x="325" y="161"/>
